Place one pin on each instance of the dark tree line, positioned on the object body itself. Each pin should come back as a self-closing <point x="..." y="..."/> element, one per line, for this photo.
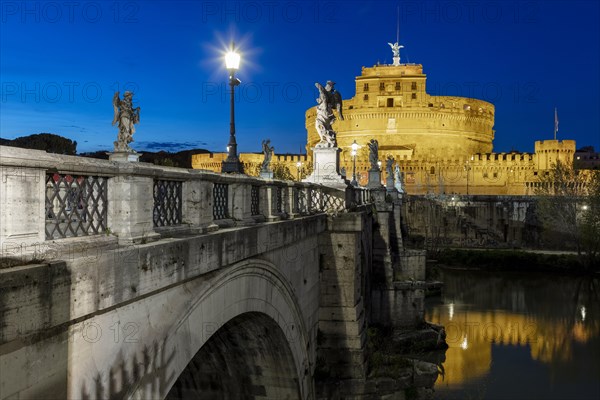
<point x="44" y="141"/>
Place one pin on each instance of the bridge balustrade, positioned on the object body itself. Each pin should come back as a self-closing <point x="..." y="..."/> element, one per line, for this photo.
<point x="51" y="200"/>
<point x="167" y="202"/>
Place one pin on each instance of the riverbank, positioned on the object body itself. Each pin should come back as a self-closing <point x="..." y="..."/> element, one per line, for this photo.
<point x="512" y="260"/>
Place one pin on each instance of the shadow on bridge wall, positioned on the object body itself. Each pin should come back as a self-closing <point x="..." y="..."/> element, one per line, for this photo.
<point x="147" y="374"/>
<point x="249" y="356"/>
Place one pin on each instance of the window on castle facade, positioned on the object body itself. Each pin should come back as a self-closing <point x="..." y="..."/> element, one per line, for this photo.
<point x="413" y="86"/>
<point x="390" y="102"/>
<point x="381" y="86"/>
<point x="366" y="97"/>
<point x="414" y="96"/>
<point x="397" y="85"/>
<point x="366" y="87"/>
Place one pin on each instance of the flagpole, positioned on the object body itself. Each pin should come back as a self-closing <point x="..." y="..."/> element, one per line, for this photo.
<point x="555" y="122"/>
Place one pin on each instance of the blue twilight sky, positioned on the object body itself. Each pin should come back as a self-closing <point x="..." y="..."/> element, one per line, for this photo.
<point x="60" y="63"/>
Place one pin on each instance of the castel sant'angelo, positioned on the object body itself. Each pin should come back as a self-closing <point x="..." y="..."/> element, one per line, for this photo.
<point x="442" y="144"/>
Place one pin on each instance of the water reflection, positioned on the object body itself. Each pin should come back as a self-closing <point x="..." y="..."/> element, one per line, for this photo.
<point x="518" y="336"/>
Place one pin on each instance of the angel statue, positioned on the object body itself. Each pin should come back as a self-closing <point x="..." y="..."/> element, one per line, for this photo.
<point x="389" y="165"/>
<point x="126" y="117"/>
<point x="268" y="152"/>
<point x="398" y="180"/>
<point x="374" y="154"/>
<point x="396" y="48"/>
<point x="329" y="98"/>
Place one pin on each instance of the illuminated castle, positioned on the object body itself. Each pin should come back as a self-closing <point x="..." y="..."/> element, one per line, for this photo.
<point x="392" y="106"/>
<point x="443" y="144"/>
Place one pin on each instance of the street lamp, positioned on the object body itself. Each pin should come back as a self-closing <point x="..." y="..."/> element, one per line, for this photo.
<point x="232" y="162"/>
<point x="298" y="165"/>
<point x="354" y="151"/>
<point x="467" y="169"/>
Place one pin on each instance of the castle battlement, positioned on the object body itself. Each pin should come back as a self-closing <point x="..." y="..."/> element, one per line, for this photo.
<point x="554" y="145"/>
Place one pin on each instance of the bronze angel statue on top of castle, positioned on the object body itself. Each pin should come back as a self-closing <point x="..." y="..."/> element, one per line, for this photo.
<point x="329" y="99"/>
<point x="126" y="117"/>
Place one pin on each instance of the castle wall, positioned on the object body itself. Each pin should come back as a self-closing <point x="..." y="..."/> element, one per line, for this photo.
<point x="478" y="174"/>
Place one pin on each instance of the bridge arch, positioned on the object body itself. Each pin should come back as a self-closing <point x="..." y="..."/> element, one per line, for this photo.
<point x="231" y="307"/>
<point x="248" y="357"/>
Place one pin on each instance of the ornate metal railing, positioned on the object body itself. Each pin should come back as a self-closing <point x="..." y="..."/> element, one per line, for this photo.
<point x="295" y="200"/>
<point x="255" y="200"/>
<point x="167" y="203"/>
<point x="277" y="194"/>
<point x="76" y="205"/>
<point x="220" y="201"/>
<point x="327" y="199"/>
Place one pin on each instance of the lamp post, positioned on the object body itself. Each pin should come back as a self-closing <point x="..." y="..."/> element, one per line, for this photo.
<point x="232" y="162"/>
<point x="354" y="151"/>
<point x="467" y="169"/>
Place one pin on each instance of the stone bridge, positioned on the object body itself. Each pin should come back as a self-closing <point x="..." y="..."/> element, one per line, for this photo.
<point x="130" y="280"/>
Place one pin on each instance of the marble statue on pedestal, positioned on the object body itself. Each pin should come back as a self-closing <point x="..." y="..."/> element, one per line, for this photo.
<point x="265" y="169"/>
<point x="398" y="181"/>
<point x="389" y="165"/>
<point x="125" y="116"/>
<point x="268" y="155"/>
<point x="374" y="154"/>
<point x="329" y="99"/>
<point x="396" y="52"/>
<point x="389" y="174"/>
<point x="374" y="172"/>
<point x="326" y="154"/>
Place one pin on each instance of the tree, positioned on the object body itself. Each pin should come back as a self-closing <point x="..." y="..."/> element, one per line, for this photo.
<point x="568" y="203"/>
<point x="590" y="226"/>
<point x="281" y="171"/>
<point x="45" y="141"/>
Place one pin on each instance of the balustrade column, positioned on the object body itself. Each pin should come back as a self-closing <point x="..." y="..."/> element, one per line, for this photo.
<point x="197" y="204"/>
<point x="266" y="202"/>
<point x="22" y="209"/>
<point x="289" y="201"/>
<point x="241" y="203"/>
<point x="130" y="207"/>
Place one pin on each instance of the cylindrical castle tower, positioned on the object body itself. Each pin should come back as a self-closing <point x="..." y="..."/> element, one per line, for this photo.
<point x="392" y="106"/>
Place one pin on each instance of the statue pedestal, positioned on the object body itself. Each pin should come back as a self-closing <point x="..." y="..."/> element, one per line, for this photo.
<point x="374" y="179"/>
<point x="389" y="184"/>
<point x="266" y="174"/>
<point x="124" y="156"/>
<point x="326" y="165"/>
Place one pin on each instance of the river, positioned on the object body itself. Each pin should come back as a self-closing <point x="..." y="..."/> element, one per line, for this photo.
<point x="518" y="336"/>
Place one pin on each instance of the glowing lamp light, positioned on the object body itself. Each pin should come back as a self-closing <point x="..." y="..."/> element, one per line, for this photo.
<point x="354" y="147"/>
<point x="451" y="311"/>
<point x="298" y="164"/>
<point x="465" y="344"/>
<point x="232" y="60"/>
<point x="583" y="312"/>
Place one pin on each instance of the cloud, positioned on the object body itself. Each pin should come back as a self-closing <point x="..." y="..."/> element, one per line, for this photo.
<point x="168" y="146"/>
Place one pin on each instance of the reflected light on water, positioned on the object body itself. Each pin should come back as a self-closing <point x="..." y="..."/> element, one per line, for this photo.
<point x="518" y="323"/>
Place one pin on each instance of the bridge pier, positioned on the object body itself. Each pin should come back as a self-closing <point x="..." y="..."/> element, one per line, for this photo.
<point x="345" y="263"/>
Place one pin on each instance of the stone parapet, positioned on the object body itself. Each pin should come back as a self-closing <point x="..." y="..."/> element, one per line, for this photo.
<point x="51" y="200"/>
